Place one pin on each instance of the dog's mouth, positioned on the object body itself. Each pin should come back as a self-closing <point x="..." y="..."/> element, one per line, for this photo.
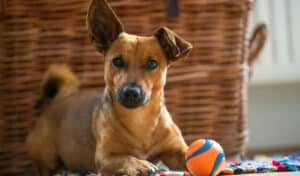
<point x="132" y="96"/>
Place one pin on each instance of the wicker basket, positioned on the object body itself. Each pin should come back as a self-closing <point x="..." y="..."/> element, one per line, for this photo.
<point x="206" y="94"/>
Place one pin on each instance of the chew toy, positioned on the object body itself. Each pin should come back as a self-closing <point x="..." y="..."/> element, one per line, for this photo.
<point x="205" y="157"/>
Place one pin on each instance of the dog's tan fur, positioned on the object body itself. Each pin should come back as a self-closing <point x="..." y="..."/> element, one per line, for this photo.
<point x="87" y="132"/>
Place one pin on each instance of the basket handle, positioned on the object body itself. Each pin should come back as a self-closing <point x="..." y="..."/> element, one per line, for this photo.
<point x="257" y="42"/>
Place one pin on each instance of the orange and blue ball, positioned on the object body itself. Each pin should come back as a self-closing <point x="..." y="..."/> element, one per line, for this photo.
<point x="205" y="157"/>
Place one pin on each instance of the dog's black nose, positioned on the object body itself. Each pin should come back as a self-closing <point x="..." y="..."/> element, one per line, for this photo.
<point x="131" y="92"/>
<point x="131" y="96"/>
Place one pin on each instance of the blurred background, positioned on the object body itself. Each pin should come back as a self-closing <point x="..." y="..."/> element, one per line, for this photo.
<point x="274" y="92"/>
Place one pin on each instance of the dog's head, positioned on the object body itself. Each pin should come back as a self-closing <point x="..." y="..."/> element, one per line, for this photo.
<point x="135" y="66"/>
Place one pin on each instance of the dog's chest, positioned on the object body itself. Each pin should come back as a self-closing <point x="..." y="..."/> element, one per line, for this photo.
<point x="143" y="138"/>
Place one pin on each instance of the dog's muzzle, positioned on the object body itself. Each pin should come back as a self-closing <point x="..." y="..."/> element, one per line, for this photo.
<point x="131" y="96"/>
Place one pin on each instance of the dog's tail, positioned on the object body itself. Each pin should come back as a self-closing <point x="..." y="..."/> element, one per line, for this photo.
<point x="59" y="81"/>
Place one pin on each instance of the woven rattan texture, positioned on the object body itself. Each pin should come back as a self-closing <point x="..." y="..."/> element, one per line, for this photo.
<point x="206" y="93"/>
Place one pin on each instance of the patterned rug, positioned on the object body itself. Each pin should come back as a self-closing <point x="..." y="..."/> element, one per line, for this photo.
<point x="238" y="165"/>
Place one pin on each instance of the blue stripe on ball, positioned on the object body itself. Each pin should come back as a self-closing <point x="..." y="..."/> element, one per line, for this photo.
<point x="203" y="149"/>
<point x="217" y="162"/>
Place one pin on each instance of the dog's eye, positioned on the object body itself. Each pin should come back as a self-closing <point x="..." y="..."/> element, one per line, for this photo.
<point x="118" y="62"/>
<point x="151" y="64"/>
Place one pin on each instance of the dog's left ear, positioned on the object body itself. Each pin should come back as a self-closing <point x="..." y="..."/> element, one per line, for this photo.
<point x="173" y="46"/>
<point x="103" y="24"/>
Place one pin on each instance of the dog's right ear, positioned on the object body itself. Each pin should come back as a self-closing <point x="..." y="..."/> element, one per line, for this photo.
<point x="103" y="24"/>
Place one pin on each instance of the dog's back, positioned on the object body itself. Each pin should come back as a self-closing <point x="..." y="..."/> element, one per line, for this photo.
<point x="62" y="136"/>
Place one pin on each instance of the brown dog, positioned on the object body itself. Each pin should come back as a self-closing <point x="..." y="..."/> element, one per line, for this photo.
<point x="125" y="129"/>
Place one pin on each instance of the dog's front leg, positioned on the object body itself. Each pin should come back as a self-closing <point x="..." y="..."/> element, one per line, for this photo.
<point x="174" y="159"/>
<point x="172" y="148"/>
<point x="125" y="165"/>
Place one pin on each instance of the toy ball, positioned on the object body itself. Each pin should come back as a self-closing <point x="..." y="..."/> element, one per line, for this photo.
<point x="205" y="157"/>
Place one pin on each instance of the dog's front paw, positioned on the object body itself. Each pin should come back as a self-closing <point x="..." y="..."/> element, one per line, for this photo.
<point x="137" y="168"/>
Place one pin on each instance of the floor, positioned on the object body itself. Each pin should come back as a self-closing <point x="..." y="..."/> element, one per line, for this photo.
<point x="276" y="174"/>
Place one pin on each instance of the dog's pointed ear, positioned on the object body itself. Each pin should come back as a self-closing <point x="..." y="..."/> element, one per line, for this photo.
<point x="173" y="46"/>
<point x="103" y="24"/>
